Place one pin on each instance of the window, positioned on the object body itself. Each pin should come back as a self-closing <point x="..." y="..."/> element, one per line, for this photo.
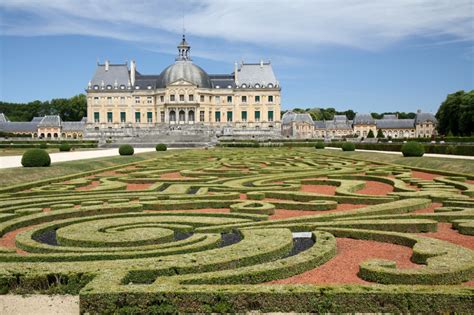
<point x="257" y="85"/>
<point x="137" y="117"/>
<point x="244" y="98"/>
<point x="122" y="87"/>
<point x="162" y="98"/>
<point x="123" y="117"/>
<point x="149" y="117"/>
<point x="162" y="116"/>
<point x="270" y="98"/>
<point x="96" y="100"/>
<point x="109" y="117"/>
<point x="122" y="100"/>
<point x="244" y="115"/>
<point x="270" y="85"/>
<point x="191" y="98"/>
<point x="137" y="87"/>
<point x="243" y="86"/>
<point x="201" y="115"/>
<point x="181" y="97"/>
<point x="109" y="87"/>
<point x="229" y="99"/>
<point x="270" y="115"/>
<point x="172" y="98"/>
<point x="96" y="87"/>
<point x="257" y="115"/>
<point x="229" y="116"/>
<point x="218" y="99"/>
<point x="96" y="117"/>
<point x="257" y="98"/>
<point x="109" y="100"/>
<point x="218" y="116"/>
<point x="149" y="100"/>
<point x="149" y="87"/>
<point x="202" y="98"/>
<point x="137" y="99"/>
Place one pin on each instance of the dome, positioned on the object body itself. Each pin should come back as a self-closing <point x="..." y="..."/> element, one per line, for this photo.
<point x="185" y="70"/>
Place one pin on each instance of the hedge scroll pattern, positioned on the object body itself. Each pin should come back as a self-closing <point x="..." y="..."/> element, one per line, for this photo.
<point x="202" y="231"/>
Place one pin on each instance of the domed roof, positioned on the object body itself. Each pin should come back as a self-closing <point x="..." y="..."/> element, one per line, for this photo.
<point x="187" y="71"/>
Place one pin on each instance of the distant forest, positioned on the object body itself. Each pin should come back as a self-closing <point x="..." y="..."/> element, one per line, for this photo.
<point x="69" y="109"/>
<point x="455" y="115"/>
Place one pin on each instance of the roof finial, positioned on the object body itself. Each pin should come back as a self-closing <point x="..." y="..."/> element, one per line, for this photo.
<point x="183" y="50"/>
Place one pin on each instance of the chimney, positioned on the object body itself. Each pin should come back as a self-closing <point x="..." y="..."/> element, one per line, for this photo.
<point x="132" y="72"/>
<point x="236" y="69"/>
<point x="261" y="63"/>
<point x="418" y="111"/>
<point x="106" y="65"/>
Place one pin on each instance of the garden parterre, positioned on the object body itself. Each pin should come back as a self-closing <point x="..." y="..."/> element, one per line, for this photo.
<point x="194" y="231"/>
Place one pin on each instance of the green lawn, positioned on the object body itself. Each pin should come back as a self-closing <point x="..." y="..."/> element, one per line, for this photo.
<point x="19" y="175"/>
<point x="443" y="164"/>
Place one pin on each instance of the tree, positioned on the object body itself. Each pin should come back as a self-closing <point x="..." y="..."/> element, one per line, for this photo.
<point x="456" y="114"/>
<point x="380" y="134"/>
<point x="370" y="134"/>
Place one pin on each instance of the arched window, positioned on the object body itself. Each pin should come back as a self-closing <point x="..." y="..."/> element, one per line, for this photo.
<point x="48" y="135"/>
<point x="182" y="115"/>
<point x="172" y="115"/>
<point x="257" y="85"/>
<point x="55" y="135"/>
<point x="191" y="115"/>
<point x="109" y="87"/>
<point x="243" y="86"/>
<point x="96" y="87"/>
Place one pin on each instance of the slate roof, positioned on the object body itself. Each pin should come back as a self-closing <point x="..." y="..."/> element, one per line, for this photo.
<point x="363" y="119"/>
<point x="338" y="125"/>
<point x="50" y="121"/>
<point x="422" y="117"/>
<point x="289" y="117"/>
<point x="73" y="125"/>
<point x="390" y="116"/>
<point x="22" y="126"/>
<point x="117" y="74"/>
<point x="320" y="124"/>
<point x="222" y="81"/>
<point x="387" y="123"/>
<point x="251" y="74"/>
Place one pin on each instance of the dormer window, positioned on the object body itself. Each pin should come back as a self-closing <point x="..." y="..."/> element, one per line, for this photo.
<point x="109" y="87"/>
<point x="96" y="87"/>
<point x="229" y="86"/>
<point x="257" y="85"/>
<point x="137" y="87"/>
<point x="122" y="87"/>
<point x="149" y="87"/>
<point x="218" y="87"/>
<point x="244" y="86"/>
<point x="270" y="85"/>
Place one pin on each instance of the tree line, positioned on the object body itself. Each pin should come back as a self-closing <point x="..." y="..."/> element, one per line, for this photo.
<point x="69" y="109"/>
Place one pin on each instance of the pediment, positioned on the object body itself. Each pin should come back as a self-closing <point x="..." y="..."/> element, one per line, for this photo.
<point x="181" y="82"/>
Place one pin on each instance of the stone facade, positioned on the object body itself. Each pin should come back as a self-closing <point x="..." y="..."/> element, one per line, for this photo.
<point x="298" y="125"/>
<point x="248" y="99"/>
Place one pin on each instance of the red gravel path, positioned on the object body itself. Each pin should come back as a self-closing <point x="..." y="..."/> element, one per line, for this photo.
<point x="285" y="214"/>
<point x="424" y="175"/>
<point x="319" y="189"/>
<point x="8" y="239"/>
<point x="174" y="175"/>
<point x="243" y="196"/>
<point x="375" y="188"/>
<point x="446" y="233"/>
<point x="207" y="210"/>
<point x="142" y="186"/>
<point x="343" y="268"/>
<point x="92" y="185"/>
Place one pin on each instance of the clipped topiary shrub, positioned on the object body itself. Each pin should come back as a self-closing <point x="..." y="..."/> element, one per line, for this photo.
<point x="65" y="147"/>
<point x="43" y="146"/>
<point x="412" y="148"/>
<point x="35" y="158"/>
<point x="161" y="147"/>
<point x="126" y="149"/>
<point x="348" y="146"/>
<point x="319" y="145"/>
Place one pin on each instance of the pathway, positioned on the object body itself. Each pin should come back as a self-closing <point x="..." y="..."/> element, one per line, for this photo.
<point x="448" y="156"/>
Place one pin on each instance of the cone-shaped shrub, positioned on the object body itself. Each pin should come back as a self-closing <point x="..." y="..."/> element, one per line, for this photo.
<point x="35" y="158"/>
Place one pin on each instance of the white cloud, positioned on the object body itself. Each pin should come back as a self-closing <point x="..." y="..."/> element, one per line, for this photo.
<point x="295" y="25"/>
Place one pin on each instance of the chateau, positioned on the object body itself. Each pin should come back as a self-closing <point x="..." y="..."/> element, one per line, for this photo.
<point x="301" y="125"/>
<point x="183" y="96"/>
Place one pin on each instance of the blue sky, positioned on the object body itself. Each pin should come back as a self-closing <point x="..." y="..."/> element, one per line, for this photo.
<point x="360" y="54"/>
